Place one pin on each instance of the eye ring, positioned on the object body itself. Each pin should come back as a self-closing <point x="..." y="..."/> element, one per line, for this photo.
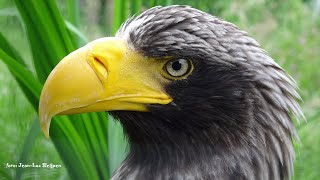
<point x="178" y="68"/>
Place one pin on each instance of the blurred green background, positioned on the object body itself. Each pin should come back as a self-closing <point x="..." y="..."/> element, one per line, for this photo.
<point x="288" y="30"/>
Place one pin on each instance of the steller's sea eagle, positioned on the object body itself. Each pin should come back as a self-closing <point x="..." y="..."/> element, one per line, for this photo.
<point x="197" y="97"/>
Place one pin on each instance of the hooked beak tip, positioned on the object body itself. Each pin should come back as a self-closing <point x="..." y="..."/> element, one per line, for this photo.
<point x="45" y="129"/>
<point x="45" y="124"/>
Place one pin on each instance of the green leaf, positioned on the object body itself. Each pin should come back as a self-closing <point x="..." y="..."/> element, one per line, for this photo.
<point x="307" y="159"/>
<point x="27" y="146"/>
<point x="48" y="36"/>
<point x="81" y="140"/>
<point x="120" y="14"/>
<point x="6" y="47"/>
<point x="8" y="12"/>
<point x="152" y="3"/>
<point x="136" y="6"/>
<point x="73" y="18"/>
<point x="24" y="76"/>
<point x="72" y="148"/>
<point x="118" y="146"/>
<point x="5" y="175"/>
<point x="81" y="37"/>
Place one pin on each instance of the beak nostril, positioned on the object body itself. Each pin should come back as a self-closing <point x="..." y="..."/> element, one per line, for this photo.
<point x="100" y="68"/>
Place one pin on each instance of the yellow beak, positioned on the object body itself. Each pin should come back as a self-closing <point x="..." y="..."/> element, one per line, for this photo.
<point x="104" y="75"/>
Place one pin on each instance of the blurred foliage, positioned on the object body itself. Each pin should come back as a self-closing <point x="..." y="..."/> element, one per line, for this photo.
<point x="288" y="30"/>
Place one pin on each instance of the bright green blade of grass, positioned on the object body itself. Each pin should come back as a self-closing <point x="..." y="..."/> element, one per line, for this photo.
<point x="27" y="146"/>
<point x="4" y="44"/>
<point x="117" y="144"/>
<point x="8" y="12"/>
<point x="80" y="36"/>
<point x="48" y="37"/>
<point x="73" y="13"/>
<point x="4" y="174"/>
<point x="22" y="75"/>
<point x="153" y="3"/>
<point x="135" y="6"/>
<point x="120" y="14"/>
<point x="73" y="17"/>
<point x="72" y="148"/>
<point x="10" y="51"/>
<point x="65" y="142"/>
<point x="164" y="2"/>
<point x="31" y="88"/>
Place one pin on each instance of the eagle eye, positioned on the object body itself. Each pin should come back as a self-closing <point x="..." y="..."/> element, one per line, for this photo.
<point x="177" y="68"/>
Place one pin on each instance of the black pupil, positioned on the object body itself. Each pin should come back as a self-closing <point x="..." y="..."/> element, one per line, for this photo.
<point x="176" y="65"/>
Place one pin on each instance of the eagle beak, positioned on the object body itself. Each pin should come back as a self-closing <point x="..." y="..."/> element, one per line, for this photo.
<point x="101" y="76"/>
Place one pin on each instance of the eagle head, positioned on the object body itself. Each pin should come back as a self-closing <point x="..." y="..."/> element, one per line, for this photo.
<point x="196" y="96"/>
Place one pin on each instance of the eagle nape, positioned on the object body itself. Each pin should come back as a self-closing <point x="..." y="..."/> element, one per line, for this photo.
<point x="197" y="97"/>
